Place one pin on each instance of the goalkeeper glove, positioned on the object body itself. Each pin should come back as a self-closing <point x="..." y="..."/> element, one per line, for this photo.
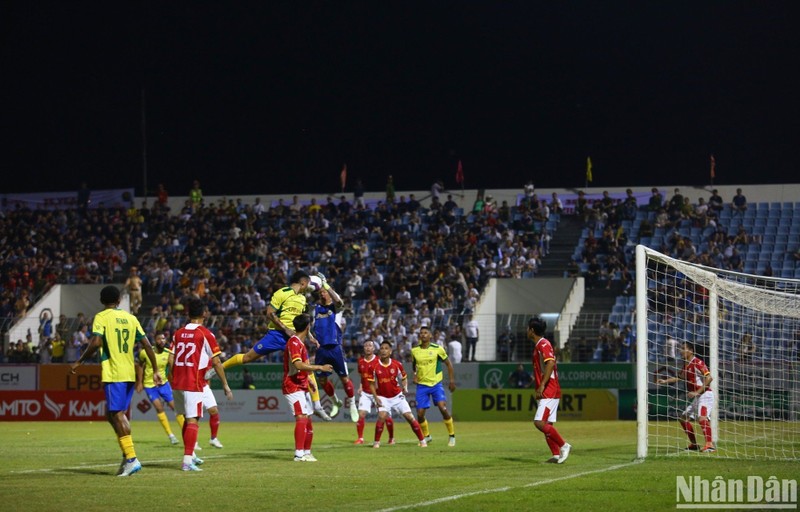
<point x="324" y="280"/>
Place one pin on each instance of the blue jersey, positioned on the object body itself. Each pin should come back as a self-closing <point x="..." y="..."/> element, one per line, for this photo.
<point x="326" y="330"/>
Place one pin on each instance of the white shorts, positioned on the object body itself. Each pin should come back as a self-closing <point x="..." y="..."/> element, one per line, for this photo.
<point x="700" y="406"/>
<point x="208" y="397"/>
<point x="365" y="402"/>
<point x="396" y="403"/>
<point x="300" y="403"/>
<point x="547" y="410"/>
<point x="189" y="403"/>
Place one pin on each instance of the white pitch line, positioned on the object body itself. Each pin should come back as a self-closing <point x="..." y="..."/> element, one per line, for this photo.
<point x="508" y="488"/>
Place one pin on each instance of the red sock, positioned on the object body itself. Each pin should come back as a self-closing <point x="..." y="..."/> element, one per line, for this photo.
<point x="390" y="427"/>
<point x="687" y="427"/>
<point x="360" y="428"/>
<point x="553" y="446"/>
<point x="416" y="429"/>
<point x="551" y="432"/>
<point x="349" y="390"/>
<point x="378" y="430"/>
<point x="189" y="437"/>
<point x="328" y="387"/>
<point x="706" y="426"/>
<point x="300" y="433"/>
<point x="214" y="423"/>
<point x="309" y="434"/>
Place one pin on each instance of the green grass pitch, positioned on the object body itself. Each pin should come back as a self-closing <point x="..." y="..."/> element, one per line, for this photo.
<point x="495" y="466"/>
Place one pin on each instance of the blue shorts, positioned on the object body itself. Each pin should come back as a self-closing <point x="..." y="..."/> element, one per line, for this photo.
<point x="118" y="395"/>
<point x="163" y="392"/>
<point x="273" y="341"/>
<point x="425" y="393"/>
<point x="334" y="356"/>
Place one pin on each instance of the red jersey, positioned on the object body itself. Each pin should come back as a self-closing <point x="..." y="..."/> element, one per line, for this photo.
<point x="694" y="373"/>
<point x="385" y="377"/>
<point x="294" y="380"/>
<point x="366" y="370"/>
<point x="194" y="346"/>
<point x="543" y="352"/>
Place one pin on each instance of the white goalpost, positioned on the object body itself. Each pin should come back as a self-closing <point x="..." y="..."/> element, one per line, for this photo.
<point x="746" y="329"/>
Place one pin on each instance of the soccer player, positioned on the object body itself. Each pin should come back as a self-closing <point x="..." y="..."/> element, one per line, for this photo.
<point x="193" y="347"/>
<point x="158" y="395"/>
<point x="698" y="384"/>
<point x="296" y="385"/>
<point x="285" y="305"/>
<point x="328" y="332"/>
<point x="548" y="390"/>
<point x="366" y="400"/>
<point x="427" y="359"/>
<point x="114" y="333"/>
<point x="388" y="394"/>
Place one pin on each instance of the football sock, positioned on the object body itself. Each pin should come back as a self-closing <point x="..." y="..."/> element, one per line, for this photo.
<point x="360" y="428"/>
<point x="553" y="446"/>
<point x="190" y="437"/>
<point x="390" y="427"/>
<point x="378" y="430"/>
<point x="162" y="418"/>
<point x="309" y="435"/>
<point x="687" y="427"/>
<point x="126" y="443"/>
<point x="706" y="426"/>
<point x="551" y="432"/>
<point x="424" y="426"/>
<point x="214" y="423"/>
<point x="314" y="394"/>
<point x="328" y="387"/>
<point x="181" y="419"/>
<point x="450" y="429"/>
<point x="349" y="389"/>
<point x="234" y="361"/>
<point x="300" y="434"/>
<point x="416" y="429"/>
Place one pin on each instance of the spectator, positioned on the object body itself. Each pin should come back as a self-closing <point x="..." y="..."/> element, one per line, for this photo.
<point x="519" y="378"/>
<point x="471" y="334"/>
<point x="715" y="202"/>
<point x="656" y="201"/>
<point x="739" y="203"/>
<point x="454" y="350"/>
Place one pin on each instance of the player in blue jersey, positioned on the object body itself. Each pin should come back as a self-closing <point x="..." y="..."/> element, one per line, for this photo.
<point x="328" y="331"/>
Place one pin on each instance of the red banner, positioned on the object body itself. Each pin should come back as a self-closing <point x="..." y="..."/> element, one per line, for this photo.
<point x="52" y="406"/>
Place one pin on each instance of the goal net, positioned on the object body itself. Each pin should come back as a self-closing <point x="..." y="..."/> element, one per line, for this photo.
<point x="746" y="329"/>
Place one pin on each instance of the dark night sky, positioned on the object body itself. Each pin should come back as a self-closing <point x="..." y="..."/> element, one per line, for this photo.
<point x="268" y="97"/>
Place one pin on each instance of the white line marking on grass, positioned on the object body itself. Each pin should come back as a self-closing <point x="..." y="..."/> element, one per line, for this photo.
<point x="504" y="489"/>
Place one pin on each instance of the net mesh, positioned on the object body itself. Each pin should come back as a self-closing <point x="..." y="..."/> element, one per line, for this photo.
<point x="748" y="337"/>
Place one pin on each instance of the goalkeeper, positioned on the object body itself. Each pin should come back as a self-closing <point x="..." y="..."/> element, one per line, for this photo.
<point x="328" y="331"/>
<point x="285" y="304"/>
<point x="698" y="384"/>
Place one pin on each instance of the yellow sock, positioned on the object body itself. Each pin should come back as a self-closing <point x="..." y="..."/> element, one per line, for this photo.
<point x="126" y="443"/>
<point x="162" y="418"/>
<point x="180" y="419"/>
<point x="314" y="394"/>
<point x="450" y="429"/>
<point x="233" y="361"/>
<point x="424" y="427"/>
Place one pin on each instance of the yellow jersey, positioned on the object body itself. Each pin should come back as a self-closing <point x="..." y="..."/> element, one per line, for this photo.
<point x="119" y="331"/>
<point x="288" y="305"/>
<point x="428" y="363"/>
<point x="162" y="359"/>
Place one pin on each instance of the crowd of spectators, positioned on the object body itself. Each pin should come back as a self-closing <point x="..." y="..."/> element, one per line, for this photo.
<point x="396" y="263"/>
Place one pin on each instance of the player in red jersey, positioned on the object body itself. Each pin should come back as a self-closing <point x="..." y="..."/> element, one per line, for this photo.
<point x="193" y="348"/>
<point x="698" y="385"/>
<point x="388" y="394"/>
<point x="297" y="384"/>
<point x="548" y="390"/>
<point x="366" y="401"/>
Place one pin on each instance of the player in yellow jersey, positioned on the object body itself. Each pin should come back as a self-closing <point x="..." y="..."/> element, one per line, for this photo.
<point x="285" y="304"/>
<point x="158" y="395"/>
<point x="427" y="360"/>
<point x="114" y="333"/>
